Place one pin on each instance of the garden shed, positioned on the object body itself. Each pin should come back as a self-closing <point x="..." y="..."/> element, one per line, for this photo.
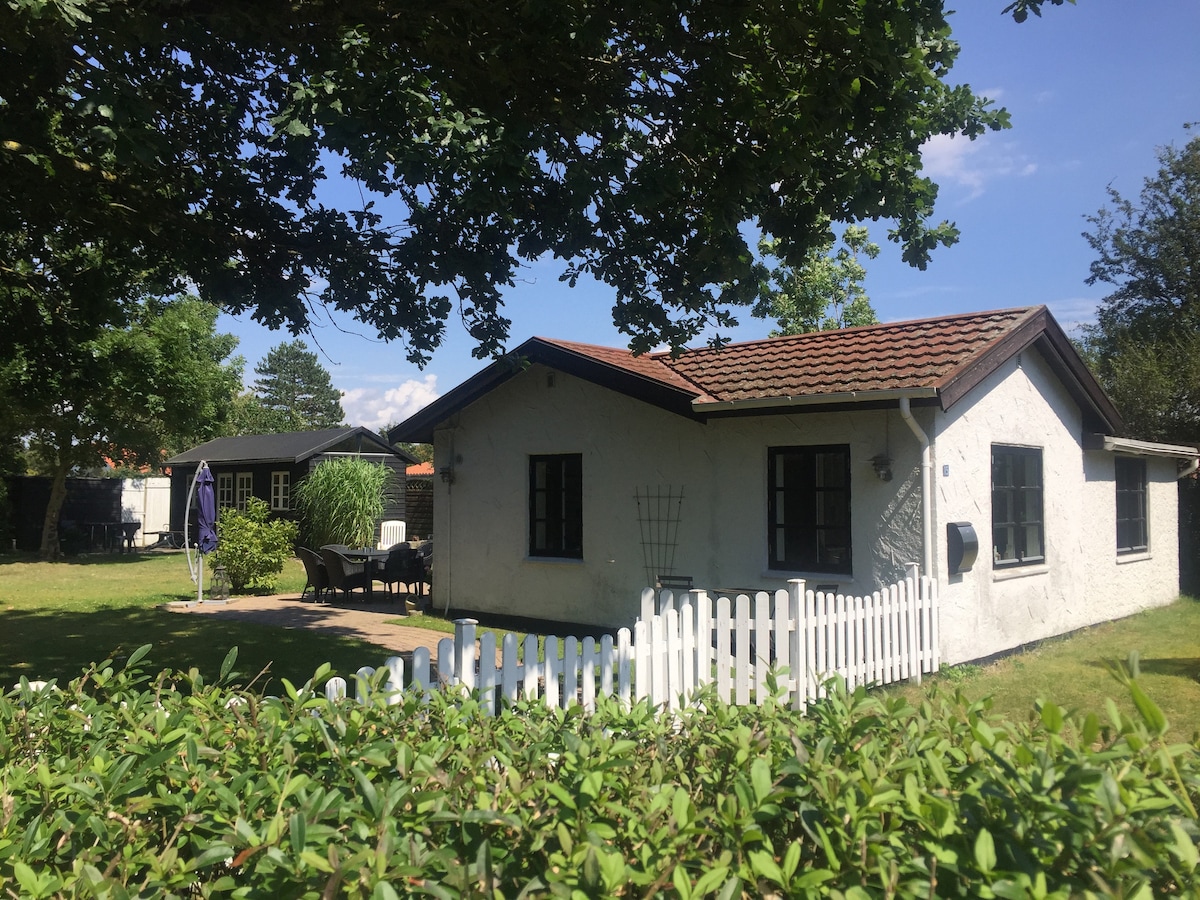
<point x="267" y="466"/>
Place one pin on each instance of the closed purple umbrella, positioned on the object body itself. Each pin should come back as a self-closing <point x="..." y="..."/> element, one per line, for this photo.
<point x="206" y="511"/>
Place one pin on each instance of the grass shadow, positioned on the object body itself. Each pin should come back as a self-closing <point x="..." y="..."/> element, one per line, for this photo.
<point x="60" y="644"/>
<point x="1175" y="667"/>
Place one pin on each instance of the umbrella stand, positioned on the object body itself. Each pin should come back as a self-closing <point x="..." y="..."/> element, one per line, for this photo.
<point x="206" y="539"/>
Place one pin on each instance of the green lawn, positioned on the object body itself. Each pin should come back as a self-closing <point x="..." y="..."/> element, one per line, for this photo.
<point x="1073" y="671"/>
<point x="57" y="618"/>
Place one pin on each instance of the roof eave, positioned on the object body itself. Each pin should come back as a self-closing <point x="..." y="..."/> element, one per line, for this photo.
<point x="1039" y="329"/>
<point x="1113" y="444"/>
<point x="420" y="427"/>
<point x="712" y="407"/>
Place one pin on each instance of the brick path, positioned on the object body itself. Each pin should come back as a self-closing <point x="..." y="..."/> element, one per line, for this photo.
<point x="368" y="622"/>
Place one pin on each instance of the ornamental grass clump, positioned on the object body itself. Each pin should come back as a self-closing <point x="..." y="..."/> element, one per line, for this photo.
<point x="126" y="784"/>
<point x="340" y="501"/>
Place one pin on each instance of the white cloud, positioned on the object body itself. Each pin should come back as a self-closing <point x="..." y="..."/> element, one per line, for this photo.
<point x="972" y="165"/>
<point x="376" y="408"/>
<point x="1074" y="312"/>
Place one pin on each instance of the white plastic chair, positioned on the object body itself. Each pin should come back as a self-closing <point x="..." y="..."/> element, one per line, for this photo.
<point x="391" y="532"/>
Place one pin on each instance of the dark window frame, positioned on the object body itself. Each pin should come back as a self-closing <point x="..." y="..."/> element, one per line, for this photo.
<point x="809" y="518"/>
<point x="1018" y="506"/>
<point x="556" y="505"/>
<point x="1133" y="527"/>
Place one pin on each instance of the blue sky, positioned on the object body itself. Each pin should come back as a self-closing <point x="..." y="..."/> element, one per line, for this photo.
<point x="1093" y="90"/>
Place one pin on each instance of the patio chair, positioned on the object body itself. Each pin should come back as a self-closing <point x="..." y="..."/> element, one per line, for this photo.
<point x="391" y="533"/>
<point x="404" y="566"/>
<point x="314" y="569"/>
<point x="344" y="574"/>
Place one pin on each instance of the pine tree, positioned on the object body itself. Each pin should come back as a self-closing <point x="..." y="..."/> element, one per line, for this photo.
<point x="293" y="383"/>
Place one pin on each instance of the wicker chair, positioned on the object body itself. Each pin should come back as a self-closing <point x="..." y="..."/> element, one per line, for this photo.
<point x="318" y="575"/>
<point x="404" y="566"/>
<point x="344" y="574"/>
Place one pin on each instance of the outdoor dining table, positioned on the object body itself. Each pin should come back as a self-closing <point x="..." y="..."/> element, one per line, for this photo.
<point x="374" y="561"/>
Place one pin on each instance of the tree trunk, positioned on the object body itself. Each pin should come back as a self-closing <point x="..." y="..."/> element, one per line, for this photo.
<point x="58" y="494"/>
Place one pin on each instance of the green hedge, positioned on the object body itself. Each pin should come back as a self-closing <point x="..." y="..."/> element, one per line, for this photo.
<point x="127" y="784"/>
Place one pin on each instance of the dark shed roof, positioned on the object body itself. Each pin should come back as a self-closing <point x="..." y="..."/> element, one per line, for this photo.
<point x="289" y="447"/>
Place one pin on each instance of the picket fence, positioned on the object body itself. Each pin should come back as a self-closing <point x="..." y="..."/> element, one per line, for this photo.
<point x="684" y="642"/>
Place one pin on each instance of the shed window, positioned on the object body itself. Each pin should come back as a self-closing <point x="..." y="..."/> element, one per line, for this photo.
<point x="556" y="505"/>
<point x="224" y="489"/>
<point x="1132" y="536"/>
<point x="1018" y="536"/>
<point x="281" y="497"/>
<point x="808" y="516"/>
<point x="245" y="489"/>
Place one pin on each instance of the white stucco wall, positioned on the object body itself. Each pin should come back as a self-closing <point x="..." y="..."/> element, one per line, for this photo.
<point x="481" y="527"/>
<point x="989" y="609"/>
<point x="481" y="520"/>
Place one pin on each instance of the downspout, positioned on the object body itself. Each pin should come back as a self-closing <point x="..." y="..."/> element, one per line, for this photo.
<point x="926" y="493"/>
<point x="1189" y="469"/>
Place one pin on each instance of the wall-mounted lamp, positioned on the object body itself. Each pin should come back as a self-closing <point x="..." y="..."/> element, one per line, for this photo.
<point x="882" y="464"/>
<point x="447" y="474"/>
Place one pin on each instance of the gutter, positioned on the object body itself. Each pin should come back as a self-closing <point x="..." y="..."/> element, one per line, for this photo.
<point x="903" y="394"/>
<point x="926" y="479"/>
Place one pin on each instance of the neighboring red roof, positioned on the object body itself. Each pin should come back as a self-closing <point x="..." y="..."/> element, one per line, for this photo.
<point x="420" y="470"/>
<point x="935" y="360"/>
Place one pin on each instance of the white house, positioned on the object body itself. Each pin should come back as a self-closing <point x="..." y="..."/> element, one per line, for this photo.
<point x="570" y="476"/>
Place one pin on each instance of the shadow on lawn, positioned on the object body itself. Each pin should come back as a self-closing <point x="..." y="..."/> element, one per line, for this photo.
<point x="1176" y="667"/>
<point x="91" y="559"/>
<point x="61" y="645"/>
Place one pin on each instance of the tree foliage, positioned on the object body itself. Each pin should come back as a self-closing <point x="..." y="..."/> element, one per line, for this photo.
<point x="247" y="415"/>
<point x="1020" y="9"/>
<point x="823" y="293"/>
<point x="629" y="140"/>
<point x="419" y="452"/>
<point x="156" y="376"/>
<point x="1145" y="344"/>
<point x="294" y="388"/>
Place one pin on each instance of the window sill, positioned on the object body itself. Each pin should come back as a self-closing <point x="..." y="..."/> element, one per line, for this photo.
<point x="1007" y="574"/>
<point x="822" y="577"/>
<point x="560" y="560"/>
<point x="1140" y="556"/>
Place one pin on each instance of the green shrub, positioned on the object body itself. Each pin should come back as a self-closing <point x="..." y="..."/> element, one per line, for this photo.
<point x="126" y="785"/>
<point x="340" y="501"/>
<point x="253" y="547"/>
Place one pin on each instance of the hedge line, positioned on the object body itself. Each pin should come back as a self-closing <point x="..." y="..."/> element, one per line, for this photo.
<point x="162" y="785"/>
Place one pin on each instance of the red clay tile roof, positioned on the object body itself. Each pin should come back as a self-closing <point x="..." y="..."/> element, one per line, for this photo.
<point x="934" y="360"/>
<point x="420" y="470"/>
<point x="654" y="366"/>
<point x="899" y="356"/>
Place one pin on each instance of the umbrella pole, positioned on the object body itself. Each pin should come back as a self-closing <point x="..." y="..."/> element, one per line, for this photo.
<point x="200" y="580"/>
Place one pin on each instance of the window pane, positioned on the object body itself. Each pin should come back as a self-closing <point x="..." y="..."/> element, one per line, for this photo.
<point x="808" y="517"/>
<point x="1130" y="477"/>
<point x="556" y="505"/>
<point x="1017" y="530"/>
